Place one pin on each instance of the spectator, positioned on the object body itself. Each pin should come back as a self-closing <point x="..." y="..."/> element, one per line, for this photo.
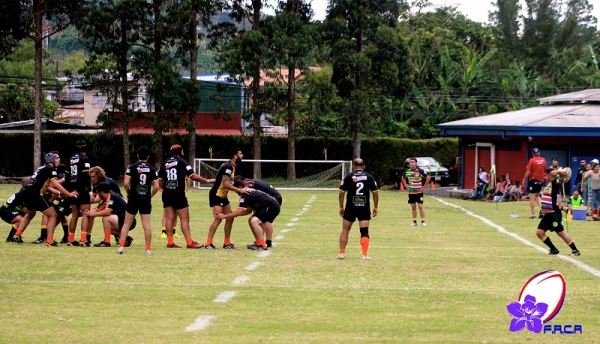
<point x="516" y="191"/>
<point x="482" y="183"/>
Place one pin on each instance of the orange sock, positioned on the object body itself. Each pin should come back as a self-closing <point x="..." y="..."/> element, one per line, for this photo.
<point x="189" y="241"/>
<point x="342" y="251"/>
<point x="364" y="244"/>
<point x="71" y="237"/>
<point x="261" y="242"/>
<point x="84" y="237"/>
<point x="170" y="240"/>
<point x="19" y="232"/>
<point x="107" y="236"/>
<point x="208" y="242"/>
<point x="148" y="247"/>
<point x="50" y="240"/>
<point x="227" y="241"/>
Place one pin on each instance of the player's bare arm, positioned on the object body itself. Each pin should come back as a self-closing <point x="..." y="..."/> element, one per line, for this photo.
<point x="375" y="202"/>
<point x="341" y="200"/>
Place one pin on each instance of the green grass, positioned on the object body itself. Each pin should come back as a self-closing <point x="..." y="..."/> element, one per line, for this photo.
<point x="447" y="282"/>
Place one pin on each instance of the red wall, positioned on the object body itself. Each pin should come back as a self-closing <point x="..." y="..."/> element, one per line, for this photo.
<point x="204" y="120"/>
<point x="511" y="162"/>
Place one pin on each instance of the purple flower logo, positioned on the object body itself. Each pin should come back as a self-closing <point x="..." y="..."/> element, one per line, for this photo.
<point x="527" y="314"/>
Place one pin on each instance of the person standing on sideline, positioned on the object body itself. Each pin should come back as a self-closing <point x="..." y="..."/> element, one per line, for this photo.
<point x="33" y="197"/>
<point x="171" y="178"/>
<point x="535" y="172"/>
<point x="141" y="184"/>
<point x="415" y="180"/>
<point x="217" y="198"/>
<point x="358" y="186"/>
<point x="580" y="172"/>
<point x="552" y="216"/>
<point x="594" y="186"/>
<point x="267" y="188"/>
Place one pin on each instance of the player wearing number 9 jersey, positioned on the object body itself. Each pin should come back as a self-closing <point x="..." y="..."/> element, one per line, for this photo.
<point x="357" y="186"/>
<point x="141" y="184"/>
<point x="172" y="176"/>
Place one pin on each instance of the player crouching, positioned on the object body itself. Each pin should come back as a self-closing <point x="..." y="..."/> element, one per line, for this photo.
<point x="112" y="209"/>
<point x="265" y="209"/>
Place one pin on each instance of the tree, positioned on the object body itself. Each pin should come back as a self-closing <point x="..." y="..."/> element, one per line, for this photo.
<point x="110" y="30"/>
<point x="17" y="104"/>
<point x="292" y="40"/>
<point x="369" y="57"/>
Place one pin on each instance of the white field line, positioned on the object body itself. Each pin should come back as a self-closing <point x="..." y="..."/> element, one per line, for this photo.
<point x="264" y="254"/>
<point x="502" y="230"/>
<point x="225" y="296"/>
<point x="286" y="230"/>
<point x="252" y="266"/>
<point x="279" y="237"/>
<point x="201" y="323"/>
<point x="242" y="279"/>
<point x="299" y="214"/>
<point x="290" y="224"/>
<point x="294" y="219"/>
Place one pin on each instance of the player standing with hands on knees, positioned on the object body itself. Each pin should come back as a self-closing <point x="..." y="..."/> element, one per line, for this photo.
<point x="357" y="186"/>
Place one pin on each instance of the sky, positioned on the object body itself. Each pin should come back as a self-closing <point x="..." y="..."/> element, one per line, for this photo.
<point x="476" y="10"/>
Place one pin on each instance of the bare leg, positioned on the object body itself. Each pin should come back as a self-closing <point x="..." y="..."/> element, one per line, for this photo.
<point x="184" y="222"/>
<point x="421" y="211"/>
<point x="346" y="227"/>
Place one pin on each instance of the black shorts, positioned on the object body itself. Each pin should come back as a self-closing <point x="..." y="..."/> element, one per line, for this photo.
<point x="535" y="186"/>
<point x="122" y="221"/>
<point x="352" y="213"/>
<point x="143" y="206"/>
<point x="415" y="198"/>
<point x="215" y="200"/>
<point x="83" y="197"/>
<point x="552" y="222"/>
<point x="267" y="214"/>
<point x="62" y="209"/>
<point x="8" y="215"/>
<point x="177" y="201"/>
<point x="36" y="202"/>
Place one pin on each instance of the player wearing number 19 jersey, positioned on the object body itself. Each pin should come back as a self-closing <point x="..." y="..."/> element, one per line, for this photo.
<point x="357" y="186"/>
<point x="171" y="178"/>
<point x="79" y="180"/>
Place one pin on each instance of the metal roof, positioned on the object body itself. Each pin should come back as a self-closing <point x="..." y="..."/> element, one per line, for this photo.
<point x="585" y="96"/>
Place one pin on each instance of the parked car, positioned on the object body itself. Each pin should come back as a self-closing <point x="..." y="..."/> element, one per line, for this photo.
<point x="428" y="164"/>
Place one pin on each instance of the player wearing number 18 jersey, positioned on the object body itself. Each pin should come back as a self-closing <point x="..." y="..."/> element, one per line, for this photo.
<point x="171" y="178"/>
<point x="357" y="186"/>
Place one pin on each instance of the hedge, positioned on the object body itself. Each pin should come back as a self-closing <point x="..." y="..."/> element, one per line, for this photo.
<point x="106" y="150"/>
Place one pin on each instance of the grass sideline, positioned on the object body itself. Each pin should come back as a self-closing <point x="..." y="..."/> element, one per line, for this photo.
<point x="447" y="282"/>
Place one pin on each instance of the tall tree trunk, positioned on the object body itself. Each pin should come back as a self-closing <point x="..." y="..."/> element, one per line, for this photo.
<point x="256" y="110"/>
<point x="291" y="167"/>
<point x="37" y="121"/>
<point x="359" y="101"/>
<point x="193" y="77"/>
<point x="159" y="124"/>
<point x="123" y="63"/>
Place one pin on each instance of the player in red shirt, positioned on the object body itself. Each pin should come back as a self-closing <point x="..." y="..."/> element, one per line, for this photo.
<point x="535" y="173"/>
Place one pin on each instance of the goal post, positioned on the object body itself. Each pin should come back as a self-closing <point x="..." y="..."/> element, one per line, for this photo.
<point x="311" y="174"/>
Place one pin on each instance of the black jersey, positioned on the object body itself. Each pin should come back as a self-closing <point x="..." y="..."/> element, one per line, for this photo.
<point x="226" y="169"/>
<point x="173" y="172"/>
<point x="257" y="200"/>
<point x="40" y="180"/>
<point x="115" y="202"/>
<point x="358" y="186"/>
<point x="142" y="177"/>
<point x="263" y="186"/>
<point x="15" y="202"/>
<point x="79" y="178"/>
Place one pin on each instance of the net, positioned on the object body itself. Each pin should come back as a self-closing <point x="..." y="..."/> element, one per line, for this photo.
<point x="311" y="174"/>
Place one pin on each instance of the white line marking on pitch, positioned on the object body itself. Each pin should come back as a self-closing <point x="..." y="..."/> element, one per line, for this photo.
<point x="285" y="230"/>
<point x="294" y="219"/>
<point x="242" y="279"/>
<point x="225" y="296"/>
<point x="502" y="230"/>
<point x="290" y="224"/>
<point x="252" y="266"/>
<point x="201" y="323"/>
<point x="279" y="237"/>
<point x="299" y="214"/>
<point x="306" y="206"/>
<point x="264" y="254"/>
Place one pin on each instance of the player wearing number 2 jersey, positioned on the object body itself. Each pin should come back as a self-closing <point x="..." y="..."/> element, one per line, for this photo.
<point x="141" y="184"/>
<point x="357" y="186"/>
<point x="172" y="176"/>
